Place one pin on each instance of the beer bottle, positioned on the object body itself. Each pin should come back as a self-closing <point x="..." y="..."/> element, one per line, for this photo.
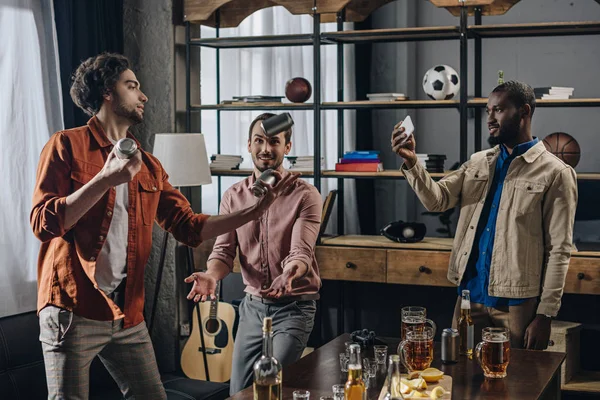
<point x="355" y="386"/>
<point x="466" y="328"/>
<point x="393" y="386"/>
<point x="267" y="370"/>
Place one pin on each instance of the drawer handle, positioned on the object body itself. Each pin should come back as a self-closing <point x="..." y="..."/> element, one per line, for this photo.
<point x="551" y="342"/>
<point x="423" y="268"/>
<point x="350" y="265"/>
<point x="581" y="276"/>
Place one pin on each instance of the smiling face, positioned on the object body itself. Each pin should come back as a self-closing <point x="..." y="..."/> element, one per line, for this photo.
<point x="504" y="120"/>
<point x="267" y="152"/>
<point x="126" y="99"/>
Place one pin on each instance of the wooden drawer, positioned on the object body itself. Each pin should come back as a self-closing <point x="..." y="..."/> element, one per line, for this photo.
<point x="583" y="276"/>
<point x="351" y="264"/>
<point x="413" y="267"/>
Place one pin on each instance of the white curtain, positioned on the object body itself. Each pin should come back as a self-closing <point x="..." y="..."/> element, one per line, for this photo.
<point x="264" y="71"/>
<point x="30" y="111"/>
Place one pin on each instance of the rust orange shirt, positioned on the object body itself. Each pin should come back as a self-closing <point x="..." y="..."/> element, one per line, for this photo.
<point x="67" y="260"/>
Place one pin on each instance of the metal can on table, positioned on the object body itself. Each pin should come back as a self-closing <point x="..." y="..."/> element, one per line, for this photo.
<point x="450" y="345"/>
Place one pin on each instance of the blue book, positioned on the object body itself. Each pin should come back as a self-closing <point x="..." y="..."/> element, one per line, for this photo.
<point x="361" y="156"/>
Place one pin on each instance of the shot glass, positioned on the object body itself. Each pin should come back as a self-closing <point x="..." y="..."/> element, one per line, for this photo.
<point x="338" y="392"/>
<point x="301" y="395"/>
<point x="380" y="353"/>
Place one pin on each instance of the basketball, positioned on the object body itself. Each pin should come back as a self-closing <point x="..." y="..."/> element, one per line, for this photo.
<point x="563" y="146"/>
<point x="298" y="90"/>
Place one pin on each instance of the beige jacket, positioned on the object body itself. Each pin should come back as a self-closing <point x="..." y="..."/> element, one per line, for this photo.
<point x="534" y="229"/>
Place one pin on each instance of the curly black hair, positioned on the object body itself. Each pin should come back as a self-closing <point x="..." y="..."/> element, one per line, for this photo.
<point x="95" y="77"/>
<point x="518" y="94"/>
<point x="264" y="116"/>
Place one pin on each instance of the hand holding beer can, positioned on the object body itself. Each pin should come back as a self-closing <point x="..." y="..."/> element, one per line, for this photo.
<point x="126" y="148"/>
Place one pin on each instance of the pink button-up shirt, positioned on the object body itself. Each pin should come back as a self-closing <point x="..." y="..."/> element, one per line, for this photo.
<point x="287" y="231"/>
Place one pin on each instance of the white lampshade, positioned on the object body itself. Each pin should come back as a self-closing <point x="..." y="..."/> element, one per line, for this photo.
<point x="184" y="158"/>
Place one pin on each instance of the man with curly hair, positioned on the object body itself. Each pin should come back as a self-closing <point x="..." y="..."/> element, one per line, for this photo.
<point x="94" y="213"/>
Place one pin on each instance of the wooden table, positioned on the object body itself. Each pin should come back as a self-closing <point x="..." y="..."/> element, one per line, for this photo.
<point x="531" y="375"/>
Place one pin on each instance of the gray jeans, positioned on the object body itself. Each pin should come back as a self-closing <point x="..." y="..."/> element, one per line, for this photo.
<point x="292" y="324"/>
<point x="71" y="342"/>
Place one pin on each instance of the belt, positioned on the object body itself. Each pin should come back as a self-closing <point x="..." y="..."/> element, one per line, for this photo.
<point x="283" y="300"/>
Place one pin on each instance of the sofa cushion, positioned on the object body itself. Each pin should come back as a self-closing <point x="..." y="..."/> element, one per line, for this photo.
<point x="22" y="372"/>
<point x="23" y="376"/>
<point x="182" y="388"/>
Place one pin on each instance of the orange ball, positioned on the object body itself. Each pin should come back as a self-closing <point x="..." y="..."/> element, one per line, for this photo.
<point x="563" y="146"/>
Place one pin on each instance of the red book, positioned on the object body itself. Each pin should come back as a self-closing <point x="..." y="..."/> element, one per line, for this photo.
<point x="359" y="167"/>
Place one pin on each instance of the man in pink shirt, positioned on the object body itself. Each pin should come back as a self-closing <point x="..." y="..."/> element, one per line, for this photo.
<point x="277" y="257"/>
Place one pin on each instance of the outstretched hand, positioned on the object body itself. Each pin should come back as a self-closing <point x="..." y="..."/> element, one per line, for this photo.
<point x="204" y="286"/>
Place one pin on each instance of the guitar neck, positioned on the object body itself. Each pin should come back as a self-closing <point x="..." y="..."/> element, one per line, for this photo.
<point x="214" y="304"/>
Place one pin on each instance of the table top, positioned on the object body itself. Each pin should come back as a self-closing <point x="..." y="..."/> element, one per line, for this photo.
<point x="529" y="374"/>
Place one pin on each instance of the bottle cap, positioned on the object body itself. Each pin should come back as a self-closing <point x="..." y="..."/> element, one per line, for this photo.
<point x="267" y="324"/>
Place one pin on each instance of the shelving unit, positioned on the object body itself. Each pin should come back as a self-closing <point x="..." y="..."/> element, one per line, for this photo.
<point x="463" y="32"/>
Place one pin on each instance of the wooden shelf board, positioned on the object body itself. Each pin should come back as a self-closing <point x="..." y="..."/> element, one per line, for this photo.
<point x="584" y="381"/>
<point x="536" y="29"/>
<point x="392" y="174"/>
<point x="242" y="106"/>
<point x="574" y="102"/>
<point x="254" y="41"/>
<point x="394" y="35"/>
<point x="440" y="244"/>
<point x="387" y="174"/>
<point x="390" y="104"/>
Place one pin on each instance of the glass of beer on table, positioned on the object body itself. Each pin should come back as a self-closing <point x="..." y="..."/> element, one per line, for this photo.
<point x="413" y="316"/>
<point x="493" y="352"/>
<point x="416" y="352"/>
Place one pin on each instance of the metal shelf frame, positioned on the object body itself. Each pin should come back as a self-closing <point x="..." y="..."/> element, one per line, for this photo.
<point x="462" y="32"/>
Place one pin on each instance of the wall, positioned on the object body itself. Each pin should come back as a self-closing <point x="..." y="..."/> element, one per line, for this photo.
<point x="542" y="61"/>
<point x="149" y="44"/>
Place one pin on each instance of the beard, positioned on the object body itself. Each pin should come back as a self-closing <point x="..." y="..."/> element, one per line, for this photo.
<point x="121" y="109"/>
<point x="508" y="132"/>
<point x="275" y="163"/>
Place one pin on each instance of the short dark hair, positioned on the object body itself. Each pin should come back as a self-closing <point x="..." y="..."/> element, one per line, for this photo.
<point x="95" y="77"/>
<point x="262" y="117"/>
<point x="518" y="94"/>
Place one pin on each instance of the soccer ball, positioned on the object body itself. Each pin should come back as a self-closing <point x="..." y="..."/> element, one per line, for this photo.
<point x="441" y="83"/>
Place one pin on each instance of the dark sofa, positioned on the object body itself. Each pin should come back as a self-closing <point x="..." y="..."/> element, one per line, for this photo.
<point x="23" y="377"/>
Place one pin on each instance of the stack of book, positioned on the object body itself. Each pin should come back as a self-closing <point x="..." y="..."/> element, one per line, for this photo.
<point x="225" y="161"/>
<point x="435" y="162"/>
<point x="360" y="161"/>
<point x="386" y="96"/>
<point x="254" y="99"/>
<point x="553" y="93"/>
<point x="305" y="163"/>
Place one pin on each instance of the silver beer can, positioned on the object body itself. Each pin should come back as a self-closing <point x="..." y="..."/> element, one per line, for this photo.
<point x="258" y="188"/>
<point x="450" y="345"/>
<point x="126" y="148"/>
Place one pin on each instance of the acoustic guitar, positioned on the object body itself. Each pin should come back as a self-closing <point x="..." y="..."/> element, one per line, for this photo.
<point x="217" y="325"/>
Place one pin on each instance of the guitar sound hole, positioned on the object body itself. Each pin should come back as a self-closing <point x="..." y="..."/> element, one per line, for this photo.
<point x="212" y="326"/>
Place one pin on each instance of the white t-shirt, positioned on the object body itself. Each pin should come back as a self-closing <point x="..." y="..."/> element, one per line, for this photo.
<point x="111" y="265"/>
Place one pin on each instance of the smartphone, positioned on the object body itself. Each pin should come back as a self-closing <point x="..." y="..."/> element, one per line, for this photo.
<point x="408" y="126"/>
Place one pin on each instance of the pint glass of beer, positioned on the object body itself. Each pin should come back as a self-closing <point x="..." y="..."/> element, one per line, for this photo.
<point x="414" y="316"/>
<point x="493" y="353"/>
<point x="416" y="352"/>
